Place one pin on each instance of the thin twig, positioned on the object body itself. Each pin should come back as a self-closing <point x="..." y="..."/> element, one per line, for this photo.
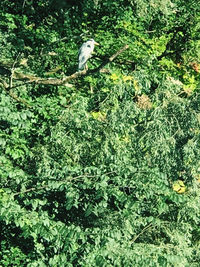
<point x="5" y="86"/>
<point x="144" y="230"/>
<point x="118" y="53"/>
<point x="18" y="99"/>
<point x="60" y="40"/>
<point x="13" y="69"/>
<point x="63" y="80"/>
<point x="23" y="5"/>
<point x="49" y="81"/>
<point x="110" y="59"/>
<point x="69" y="179"/>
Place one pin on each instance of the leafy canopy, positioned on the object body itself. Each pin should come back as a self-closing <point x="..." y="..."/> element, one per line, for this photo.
<point x="104" y="171"/>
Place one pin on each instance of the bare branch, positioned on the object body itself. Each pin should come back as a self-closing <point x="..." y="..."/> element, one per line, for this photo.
<point x="64" y="181"/>
<point x="144" y="230"/>
<point x="118" y="53"/>
<point x="4" y="84"/>
<point x="64" y="80"/>
<point x="6" y="87"/>
<point x="110" y="59"/>
<point x="13" y="69"/>
<point x="18" y="99"/>
<point x="50" y="81"/>
<point x="23" y="4"/>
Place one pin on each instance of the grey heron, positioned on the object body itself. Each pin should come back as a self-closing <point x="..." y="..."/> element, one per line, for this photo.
<point x="85" y="53"/>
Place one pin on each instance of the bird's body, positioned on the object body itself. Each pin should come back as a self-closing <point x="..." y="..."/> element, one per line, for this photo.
<point x="85" y="53"/>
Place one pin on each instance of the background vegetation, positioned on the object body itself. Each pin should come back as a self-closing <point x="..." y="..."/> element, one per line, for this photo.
<point x="103" y="171"/>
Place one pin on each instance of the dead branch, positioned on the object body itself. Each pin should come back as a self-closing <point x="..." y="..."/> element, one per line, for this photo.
<point x="4" y="84"/>
<point x="118" y="53"/>
<point x="13" y="69"/>
<point x="6" y="87"/>
<point x="64" y="80"/>
<point x="110" y="59"/>
<point x="64" y="181"/>
<point x="27" y="78"/>
<point x="49" y="81"/>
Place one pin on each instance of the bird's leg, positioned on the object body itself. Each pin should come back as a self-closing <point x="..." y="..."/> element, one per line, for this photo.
<point x="86" y="67"/>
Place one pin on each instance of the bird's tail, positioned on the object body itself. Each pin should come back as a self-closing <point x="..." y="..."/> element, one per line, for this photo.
<point x="81" y="66"/>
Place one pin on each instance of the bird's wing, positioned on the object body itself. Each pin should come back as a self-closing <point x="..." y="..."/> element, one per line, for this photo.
<point x="82" y="62"/>
<point x="82" y="49"/>
<point x="84" y="54"/>
<point x="85" y="50"/>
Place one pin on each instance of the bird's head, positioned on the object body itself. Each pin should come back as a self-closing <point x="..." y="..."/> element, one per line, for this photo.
<point x="93" y="41"/>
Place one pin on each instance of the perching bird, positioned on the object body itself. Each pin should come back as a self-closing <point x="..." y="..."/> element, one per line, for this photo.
<point x="85" y="53"/>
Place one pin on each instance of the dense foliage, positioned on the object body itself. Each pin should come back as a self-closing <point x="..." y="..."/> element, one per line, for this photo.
<point x="104" y="171"/>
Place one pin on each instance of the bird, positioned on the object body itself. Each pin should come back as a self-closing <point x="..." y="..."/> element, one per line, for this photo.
<point x="85" y="53"/>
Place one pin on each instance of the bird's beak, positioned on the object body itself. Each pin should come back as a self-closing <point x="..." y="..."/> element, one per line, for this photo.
<point x="96" y="43"/>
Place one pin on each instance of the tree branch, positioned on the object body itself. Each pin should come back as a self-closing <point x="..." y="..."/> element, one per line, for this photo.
<point x="118" y="53"/>
<point x="64" y="181"/>
<point x="110" y="59"/>
<point x="64" y="80"/>
<point x="6" y="87"/>
<point x="13" y="70"/>
<point x="27" y="78"/>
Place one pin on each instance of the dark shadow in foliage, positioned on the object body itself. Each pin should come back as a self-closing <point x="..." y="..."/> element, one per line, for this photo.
<point x="4" y="125"/>
<point x="14" y="237"/>
<point x="4" y="71"/>
<point x="73" y="215"/>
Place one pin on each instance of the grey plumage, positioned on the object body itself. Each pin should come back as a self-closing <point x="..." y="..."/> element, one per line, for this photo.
<point x="85" y="53"/>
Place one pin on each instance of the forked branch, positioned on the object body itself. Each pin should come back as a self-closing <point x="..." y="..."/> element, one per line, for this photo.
<point x="27" y="78"/>
<point x="64" y="80"/>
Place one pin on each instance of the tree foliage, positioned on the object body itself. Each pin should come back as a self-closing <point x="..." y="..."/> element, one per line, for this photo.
<point x="103" y="170"/>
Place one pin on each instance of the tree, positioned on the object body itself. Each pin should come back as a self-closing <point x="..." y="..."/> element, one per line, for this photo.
<point x="101" y="167"/>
